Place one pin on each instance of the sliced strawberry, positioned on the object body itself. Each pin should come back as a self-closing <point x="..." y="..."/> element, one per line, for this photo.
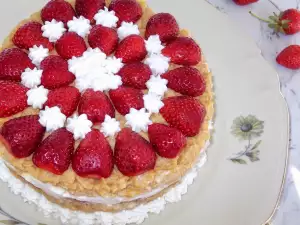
<point x="95" y="104"/>
<point x="163" y="24"/>
<point x="55" y="152"/>
<point x="93" y="157"/>
<point x="55" y="78"/>
<point x="13" y="98"/>
<point x="183" y="51"/>
<point x="133" y="154"/>
<point x="126" y="10"/>
<point x="186" y="80"/>
<point x="125" y="98"/>
<point x="167" y="141"/>
<point x="104" y="38"/>
<point x="66" y="98"/>
<point x="88" y="8"/>
<point x="22" y="135"/>
<point x="69" y="45"/>
<point x="184" y="113"/>
<point x="54" y="62"/>
<point x="59" y="10"/>
<point x="131" y="49"/>
<point x="30" y="34"/>
<point x="13" y="62"/>
<point x="135" y="75"/>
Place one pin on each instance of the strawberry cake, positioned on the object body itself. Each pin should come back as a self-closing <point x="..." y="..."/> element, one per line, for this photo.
<point x="105" y="108"/>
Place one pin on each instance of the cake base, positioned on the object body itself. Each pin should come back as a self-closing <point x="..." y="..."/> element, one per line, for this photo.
<point x="137" y="215"/>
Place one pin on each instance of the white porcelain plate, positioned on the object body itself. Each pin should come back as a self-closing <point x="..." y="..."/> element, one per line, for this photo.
<point x="242" y="180"/>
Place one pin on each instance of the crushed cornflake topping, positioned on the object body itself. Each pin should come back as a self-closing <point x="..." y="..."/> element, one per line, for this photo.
<point x="154" y="45"/>
<point x="36" y="97"/>
<point x="138" y="120"/>
<point x="127" y="29"/>
<point x="158" y="63"/>
<point x="52" y="118"/>
<point x="157" y="85"/>
<point x="31" y="78"/>
<point x="53" y="30"/>
<point x="79" y="126"/>
<point x="80" y="25"/>
<point x="37" y="54"/>
<point x="153" y="102"/>
<point x="106" y="18"/>
<point x="110" y="126"/>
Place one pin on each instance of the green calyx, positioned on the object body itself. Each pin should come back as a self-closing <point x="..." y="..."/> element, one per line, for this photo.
<point x="275" y="22"/>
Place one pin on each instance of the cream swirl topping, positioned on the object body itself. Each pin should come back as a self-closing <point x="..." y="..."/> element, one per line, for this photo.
<point x="138" y="120"/>
<point x="80" y="25"/>
<point x="106" y="18"/>
<point x="37" y="54"/>
<point x="52" y="118"/>
<point x="36" y="97"/>
<point x="79" y="126"/>
<point x="110" y="126"/>
<point x="127" y="29"/>
<point x="53" y="30"/>
<point x="31" y="78"/>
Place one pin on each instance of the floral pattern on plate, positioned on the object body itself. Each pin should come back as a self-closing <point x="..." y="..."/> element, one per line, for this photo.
<point x="246" y="129"/>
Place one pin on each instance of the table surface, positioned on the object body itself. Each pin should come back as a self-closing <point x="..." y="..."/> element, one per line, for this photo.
<point x="289" y="210"/>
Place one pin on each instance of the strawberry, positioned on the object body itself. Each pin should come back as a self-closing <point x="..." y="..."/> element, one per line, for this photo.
<point x="95" y="104"/>
<point x="183" y="51"/>
<point x="55" y="152"/>
<point x="59" y="10"/>
<point x="131" y="49"/>
<point x="22" y="135"/>
<point x="66" y="98"/>
<point x="290" y="57"/>
<point x="290" y="20"/>
<point x="167" y="141"/>
<point x="104" y="38"/>
<point x="13" y="98"/>
<point x="126" y="10"/>
<point x="54" y="62"/>
<point x="125" y="98"/>
<point x="93" y="157"/>
<point x="30" y="34"/>
<point x="163" y="24"/>
<point x="88" y="8"/>
<point x="133" y="154"/>
<point x="69" y="45"/>
<point x="244" y="2"/>
<point x="13" y="62"/>
<point x="135" y="75"/>
<point x="287" y="22"/>
<point x="55" y="78"/>
<point x="184" y="113"/>
<point x="186" y="81"/>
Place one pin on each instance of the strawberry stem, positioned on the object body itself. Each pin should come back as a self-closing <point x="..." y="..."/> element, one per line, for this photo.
<point x="261" y="19"/>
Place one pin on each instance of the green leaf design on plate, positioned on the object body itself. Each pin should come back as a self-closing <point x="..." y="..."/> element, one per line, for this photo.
<point x="256" y="145"/>
<point x="9" y="222"/>
<point x="253" y="156"/>
<point x="240" y="161"/>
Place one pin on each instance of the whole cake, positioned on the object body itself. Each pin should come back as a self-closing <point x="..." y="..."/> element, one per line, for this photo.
<point x="105" y="110"/>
